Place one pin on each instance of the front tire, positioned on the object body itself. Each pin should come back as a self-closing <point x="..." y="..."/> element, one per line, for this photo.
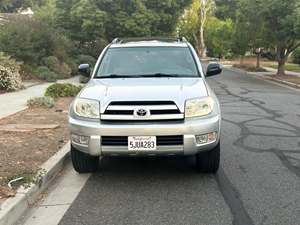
<point x="208" y="162"/>
<point x="82" y="162"/>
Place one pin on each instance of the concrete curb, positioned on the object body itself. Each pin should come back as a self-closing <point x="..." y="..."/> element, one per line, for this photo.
<point x="283" y="82"/>
<point x="13" y="208"/>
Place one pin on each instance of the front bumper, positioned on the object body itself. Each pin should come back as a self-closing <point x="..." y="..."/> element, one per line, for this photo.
<point x="188" y="128"/>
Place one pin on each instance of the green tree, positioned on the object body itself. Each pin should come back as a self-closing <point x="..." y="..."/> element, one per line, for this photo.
<point x="30" y="40"/>
<point x="126" y="18"/>
<point x="226" y="9"/>
<point x="240" y="40"/>
<point x="83" y="22"/>
<point x="193" y="22"/>
<point x="11" y="6"/>
<point x="296" y="56"/>
<point x="89" y="22"/>
<point x="46" y="12"/>
<point x="113" y="18"/>
<point x="165" y="14"/>
<point x="282" y="23"/>
<point x="249" y="32"/>
<point x="218" y="35"/>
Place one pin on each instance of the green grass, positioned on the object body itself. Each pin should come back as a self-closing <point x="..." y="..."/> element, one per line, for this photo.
<point x="289" y="66"/>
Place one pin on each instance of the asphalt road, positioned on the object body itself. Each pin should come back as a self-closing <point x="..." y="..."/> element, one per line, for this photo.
<point x="258" y="182"/>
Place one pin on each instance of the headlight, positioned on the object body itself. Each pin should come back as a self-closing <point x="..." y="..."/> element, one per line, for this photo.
<point x="198" y="107"/>
<point x="87" y="108"/>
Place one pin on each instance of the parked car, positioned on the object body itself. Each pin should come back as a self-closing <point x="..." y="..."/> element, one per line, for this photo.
<point x="146" y="97"/>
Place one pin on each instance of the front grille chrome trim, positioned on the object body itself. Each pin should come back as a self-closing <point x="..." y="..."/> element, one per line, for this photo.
<point x="151" y="117"/>
<point x="149" y="107"/>
<point x="156" y="111"/>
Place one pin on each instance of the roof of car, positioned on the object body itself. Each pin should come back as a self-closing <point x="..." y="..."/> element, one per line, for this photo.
<point x="149" y="42"/>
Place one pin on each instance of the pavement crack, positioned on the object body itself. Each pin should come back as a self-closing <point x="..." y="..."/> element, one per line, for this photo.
<point x="233" y="200"/>
<point x="284" y="160"/>
<point x="269" y="114"/>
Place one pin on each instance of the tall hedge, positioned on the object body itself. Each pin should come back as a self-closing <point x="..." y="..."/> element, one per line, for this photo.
<point x="10" y="79"/>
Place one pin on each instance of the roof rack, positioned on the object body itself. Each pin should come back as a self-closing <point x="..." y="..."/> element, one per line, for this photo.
<point x="137" y="39"/>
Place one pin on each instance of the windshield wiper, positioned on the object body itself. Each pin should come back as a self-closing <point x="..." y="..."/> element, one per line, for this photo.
<point x="115" y="76"/>
<point x="165" y="75"/>
<point x="143" y="75"/>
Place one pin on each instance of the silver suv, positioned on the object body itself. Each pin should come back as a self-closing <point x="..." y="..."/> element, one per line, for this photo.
<point x="146" y="97"/>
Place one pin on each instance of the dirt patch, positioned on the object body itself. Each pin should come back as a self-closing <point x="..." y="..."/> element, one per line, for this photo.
<point x="289" y="78"/>
<point x="249" y="60"/>
<point x="249" y="68"/>
<point x="21" y="153"/>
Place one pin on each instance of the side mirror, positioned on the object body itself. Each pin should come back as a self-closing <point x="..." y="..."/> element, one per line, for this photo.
<point x="213" y="69"/>
<point x="84" y="70"/>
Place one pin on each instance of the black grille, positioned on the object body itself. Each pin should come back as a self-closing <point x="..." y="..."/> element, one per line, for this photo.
<point x="169" y="140"/>
<point x="166" y="111"/>
<point x="119" y="112"/>
<point x="123" y="140"/>
<point x="152" y="112"/>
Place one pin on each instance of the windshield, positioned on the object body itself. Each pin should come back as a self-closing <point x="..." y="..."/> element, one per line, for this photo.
<point x="147" y="62"/>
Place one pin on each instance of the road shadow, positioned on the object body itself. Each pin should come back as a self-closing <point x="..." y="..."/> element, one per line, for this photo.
<point x="148" y="166"/>
<point x="160" y="190"/>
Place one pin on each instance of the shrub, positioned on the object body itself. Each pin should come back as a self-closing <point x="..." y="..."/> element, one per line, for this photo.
<point x="73" y="66"/>
<point x="52" y="63"/>
<point x="296" y="56"/>
<point x="83" y="79"/>
<point x="27" y="71"/>
<point x="9" y="63"/>
<point x="30" y="39"/>
<point x="41" y="102"/>
<point x="62" y="90"/>
<point x="61" y="69"/>
<point x="41" y="72"/>
<point x="44" y="73"/>
<point x="66" y="70"/>
<point x="86" y="59"/>
<point x="52" y="77"/>
<point x="9" y="81"/>
<point x="10" y="78"/>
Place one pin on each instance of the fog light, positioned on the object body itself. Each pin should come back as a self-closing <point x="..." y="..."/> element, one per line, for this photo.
<point x="79" y="139"/>
<point x="211" y="137"/>
<point x="201" y="139"/>
<point x="206" y="138"/>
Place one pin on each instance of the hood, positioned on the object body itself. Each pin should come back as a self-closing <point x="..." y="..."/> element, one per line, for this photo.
<point x="144" y="89"/>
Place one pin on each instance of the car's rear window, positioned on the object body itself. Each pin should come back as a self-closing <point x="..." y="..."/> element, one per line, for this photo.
<point x="143" y="61"/>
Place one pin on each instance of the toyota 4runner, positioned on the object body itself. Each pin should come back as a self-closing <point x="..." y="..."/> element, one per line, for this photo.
<point x="146" y="97"/>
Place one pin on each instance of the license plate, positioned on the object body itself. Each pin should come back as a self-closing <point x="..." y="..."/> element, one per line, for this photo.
<point x="142" y="143"/>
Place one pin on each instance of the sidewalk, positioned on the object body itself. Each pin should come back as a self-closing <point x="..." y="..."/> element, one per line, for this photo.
<point x="269" y="69"/>
<point x="14" y="102"/>
<point x="287" y="80"/>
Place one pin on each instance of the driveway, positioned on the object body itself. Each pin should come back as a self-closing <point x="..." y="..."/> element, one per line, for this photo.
<point x="258" y="182"/>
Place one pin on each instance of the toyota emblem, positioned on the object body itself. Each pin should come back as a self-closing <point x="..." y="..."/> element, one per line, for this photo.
<point x="141" y="112"/>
